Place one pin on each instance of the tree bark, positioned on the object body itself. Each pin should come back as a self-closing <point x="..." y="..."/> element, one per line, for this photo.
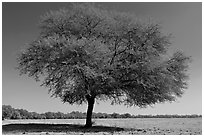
<point x="91" y="101"/>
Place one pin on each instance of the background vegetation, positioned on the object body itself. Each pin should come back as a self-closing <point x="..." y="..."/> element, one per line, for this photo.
<point x="11" y="113"/>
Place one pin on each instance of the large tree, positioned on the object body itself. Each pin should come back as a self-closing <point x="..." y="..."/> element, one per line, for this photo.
<point x="85" y="53"/>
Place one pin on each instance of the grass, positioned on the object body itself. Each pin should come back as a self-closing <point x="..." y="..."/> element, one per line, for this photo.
<point x="149" y="126"/>
<point x="33" y="127"/>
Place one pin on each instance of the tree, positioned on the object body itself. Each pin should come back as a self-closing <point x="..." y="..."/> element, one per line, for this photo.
<point x="49" y="115"/>
<point x="85" y="53"/>
<point x="7" y="112"/>
<point x="24" y="113"/>
<point x="16" y="115"/>
<point x="126" y="115"/>
<point x="59" y="115"/>
<point x="115" y="115"/>
<point x="34" y="115"/>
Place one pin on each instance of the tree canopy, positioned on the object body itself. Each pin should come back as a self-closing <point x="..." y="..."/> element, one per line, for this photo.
<point x="87" y="52"/>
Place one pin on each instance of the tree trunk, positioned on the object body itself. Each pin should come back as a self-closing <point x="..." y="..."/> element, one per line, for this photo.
<point x="91" y="101"/>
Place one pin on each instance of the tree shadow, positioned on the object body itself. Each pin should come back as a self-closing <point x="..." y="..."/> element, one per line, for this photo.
<point x="32" y="127"/>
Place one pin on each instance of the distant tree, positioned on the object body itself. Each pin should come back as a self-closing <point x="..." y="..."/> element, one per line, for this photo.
<point x="7" y="112"/>
<point x="49" y="115"/>
<point x="42" y="116"/>
<point x="24" y="113"/>
<point x="59" y="115"/>
<point x="85" y="53"/>
<point x="126" y="115"/>
<point x="34" y="115"/>
<point x="16" y="115"/>
<point x="115" y="115"/>
<point x="99" y="115"/>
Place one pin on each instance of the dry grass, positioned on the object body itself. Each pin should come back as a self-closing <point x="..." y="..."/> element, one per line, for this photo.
<point x="150" y="126"/>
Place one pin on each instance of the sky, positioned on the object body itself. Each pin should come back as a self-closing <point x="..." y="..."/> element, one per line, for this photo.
<point x="20" y="27"/>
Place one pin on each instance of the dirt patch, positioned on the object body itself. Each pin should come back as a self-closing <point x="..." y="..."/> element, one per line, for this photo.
<point x="58" y="128"/>
<point x="74" y="129"/>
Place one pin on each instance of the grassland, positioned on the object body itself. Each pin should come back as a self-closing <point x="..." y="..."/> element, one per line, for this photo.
<point x="140" y="126"/>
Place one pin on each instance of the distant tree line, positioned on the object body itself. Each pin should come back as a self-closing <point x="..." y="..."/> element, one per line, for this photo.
<point x="11" y="113"/>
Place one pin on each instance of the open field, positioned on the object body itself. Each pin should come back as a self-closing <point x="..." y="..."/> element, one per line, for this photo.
<point x="141" y="126"/>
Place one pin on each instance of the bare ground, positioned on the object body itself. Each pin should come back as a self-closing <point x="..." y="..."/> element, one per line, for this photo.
<point x="104" y="127"/>
<point x="51" y="129"/>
